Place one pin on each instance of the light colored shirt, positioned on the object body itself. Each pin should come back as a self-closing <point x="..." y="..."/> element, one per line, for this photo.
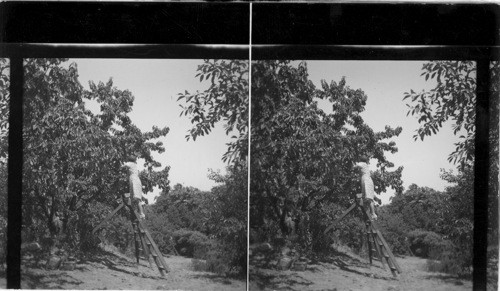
<point x="134" y="180"/>
<point x="367" y="186"/>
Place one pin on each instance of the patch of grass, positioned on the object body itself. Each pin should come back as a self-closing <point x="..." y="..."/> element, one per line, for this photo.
<point x="214" y="263"/>
<point x="449" y="262"/>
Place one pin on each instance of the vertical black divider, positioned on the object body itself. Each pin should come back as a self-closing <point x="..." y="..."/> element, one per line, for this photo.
<point x="481" y="168"/>
<point x="15" y="168"/>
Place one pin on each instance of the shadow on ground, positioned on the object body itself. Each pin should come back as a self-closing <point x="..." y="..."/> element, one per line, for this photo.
<point x="215" y="278"/>
<point x="48" y="281"/>
<point x="269" y="278"/>
<point x="279" y="281"/>
<point x="448" y="279"/>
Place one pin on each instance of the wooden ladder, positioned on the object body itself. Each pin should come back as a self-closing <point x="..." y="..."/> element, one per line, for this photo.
<point x="382" y="249"/>
<point x="143" y="240"/>
<point x="374" y="236"/>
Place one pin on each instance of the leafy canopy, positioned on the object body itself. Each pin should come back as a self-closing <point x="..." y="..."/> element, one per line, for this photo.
<point x="226" y="99"/>
<point x="72" y="156"/>
<point x="453" y="98"/>
<point x="302" y="156"/>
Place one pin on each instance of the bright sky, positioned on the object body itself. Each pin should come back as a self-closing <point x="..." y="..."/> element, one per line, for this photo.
<point x="384" y="82"/>
<point x="155" y="85"/>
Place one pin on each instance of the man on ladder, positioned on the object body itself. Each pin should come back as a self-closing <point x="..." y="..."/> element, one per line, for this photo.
<point x="135" y="184"/>
<point x="367" y="188"/>
<point x="374" y="236"/>
<point x="141" y="234"/>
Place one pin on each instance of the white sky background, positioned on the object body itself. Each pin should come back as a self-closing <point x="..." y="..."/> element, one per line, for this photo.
<point x="155" y="85"/>
<point x="384" y="82"/>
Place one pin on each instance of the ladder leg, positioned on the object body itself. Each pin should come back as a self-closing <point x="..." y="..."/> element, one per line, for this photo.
<point x="136" y="241"/>
<point x="369" y="243"/>
<point x="387" y="258"/>
<point x="391" y="261"/>
<point x="162" y="265"/>
<point x="377" y="246"/>
<point x="389" y="252"/>
<point x="372" y="234"/>
<point x="157" y="255"/>
<point x="147" y="251"/>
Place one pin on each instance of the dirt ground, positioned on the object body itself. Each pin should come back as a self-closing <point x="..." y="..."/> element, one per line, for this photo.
<point x="119" y="272"/>
<point x="353" y="273"/>
<point x="339" y="272"/>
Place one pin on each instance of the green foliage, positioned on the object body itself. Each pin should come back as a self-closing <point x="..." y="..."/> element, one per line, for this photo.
<point x="187" y="242"/>
<point x="349" y="232"/>
<point x="423" y="243"/>
<point x="302" y="157"/>
<point x="453" y="98"/>
<point x="205" y="225"/>
<point x="72" y="156"/>
<point x="432" y="224"/>
<point x="395" y="229"/>
<point x="446" y="262"/>
<point x="420" y="208"/>
<point x="215" y="260"/>
<point x="181" y="207"/>
<point x="227" y="215"/>
<point x="226" y="99"/>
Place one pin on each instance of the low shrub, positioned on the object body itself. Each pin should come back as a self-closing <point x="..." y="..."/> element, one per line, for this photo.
<point x="424" y="243"/>
<point x="397" y="241"/>
<point x="348" y="232"/>
<point x="216" y="260"/>
<point x="189" y="241"/>
<point x="395" y="230"/>
<point x="446" y="262"/>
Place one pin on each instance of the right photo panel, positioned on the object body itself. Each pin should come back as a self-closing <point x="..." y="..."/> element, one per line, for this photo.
<point x="362" y="175"/>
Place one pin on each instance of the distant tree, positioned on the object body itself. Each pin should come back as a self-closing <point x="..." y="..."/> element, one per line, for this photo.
<point x="182" y="207"/>
<point x="454" y="98"/>
<point x="223" y="210"/>
<point x="302" y="157"/>
<point x="72" y="156"/>
<point x="420" y="207"/>
<point x="219" y="215"/>
<point x="227" y="214"/>
<point x="440" y="224"/>
<point x="226" y="99"/>
<point x="457" y="222"/>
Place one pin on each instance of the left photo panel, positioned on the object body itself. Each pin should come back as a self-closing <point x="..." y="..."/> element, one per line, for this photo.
<point x="134" y="173"/>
